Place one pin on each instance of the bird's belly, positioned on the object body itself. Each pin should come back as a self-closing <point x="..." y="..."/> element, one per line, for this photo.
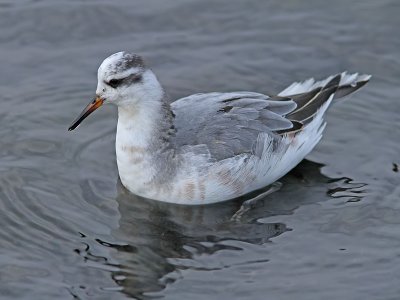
<point x="196" y="184"/>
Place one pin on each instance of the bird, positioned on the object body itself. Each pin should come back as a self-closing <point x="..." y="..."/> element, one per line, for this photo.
<point x="209" y="147"/>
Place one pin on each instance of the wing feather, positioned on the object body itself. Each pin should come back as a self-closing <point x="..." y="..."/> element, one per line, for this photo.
<point x="229" y="124"/>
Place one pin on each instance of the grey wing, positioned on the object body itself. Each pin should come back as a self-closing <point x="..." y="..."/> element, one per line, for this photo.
<point x="229" y="123"/>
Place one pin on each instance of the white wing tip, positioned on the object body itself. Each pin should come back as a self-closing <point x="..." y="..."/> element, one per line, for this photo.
<point x="309" y="84"/>
<point x="348" y="78"/>
<point x="364" y="77"/>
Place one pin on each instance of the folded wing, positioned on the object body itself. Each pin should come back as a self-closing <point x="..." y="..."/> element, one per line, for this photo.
<point x="229" y="123"/>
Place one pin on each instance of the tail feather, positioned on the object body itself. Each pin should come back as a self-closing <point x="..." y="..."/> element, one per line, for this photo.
<point x="347" y="89"/>
<point x="310" y="96"/>
<point x="308" y="85"/>
<point x="308" y="111"/>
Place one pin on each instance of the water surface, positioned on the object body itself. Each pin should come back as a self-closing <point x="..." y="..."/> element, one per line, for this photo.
<point x="69" y="230"/>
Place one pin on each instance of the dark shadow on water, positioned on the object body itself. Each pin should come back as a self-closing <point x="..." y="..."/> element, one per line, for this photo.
<point x="155" y="236"/>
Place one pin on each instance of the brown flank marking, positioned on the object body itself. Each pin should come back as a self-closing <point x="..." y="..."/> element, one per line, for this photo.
<point x="189" y="190"/>
<point x="133" y="149"/>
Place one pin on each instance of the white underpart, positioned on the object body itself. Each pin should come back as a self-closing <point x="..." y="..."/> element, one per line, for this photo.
<point x="134" y="130"/>
<point x="136" y="126"/>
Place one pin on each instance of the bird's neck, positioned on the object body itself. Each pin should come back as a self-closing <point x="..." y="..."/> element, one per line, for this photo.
<point x="147" y="125"/>
<point x="143" y="147"/>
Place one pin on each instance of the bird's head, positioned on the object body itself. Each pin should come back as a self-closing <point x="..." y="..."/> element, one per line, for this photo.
<point x="123" y="80"/>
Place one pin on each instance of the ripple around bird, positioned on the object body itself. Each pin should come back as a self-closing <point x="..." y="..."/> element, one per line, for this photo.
<point x="69" y="229"/>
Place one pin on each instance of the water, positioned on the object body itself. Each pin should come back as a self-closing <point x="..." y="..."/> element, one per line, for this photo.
<point x="68" y="228"/>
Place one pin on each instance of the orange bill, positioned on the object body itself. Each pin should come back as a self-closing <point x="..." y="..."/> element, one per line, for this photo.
<point x="91" y="107"/>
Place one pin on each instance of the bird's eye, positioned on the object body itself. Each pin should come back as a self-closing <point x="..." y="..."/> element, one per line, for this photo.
<point x="114" y="82"/>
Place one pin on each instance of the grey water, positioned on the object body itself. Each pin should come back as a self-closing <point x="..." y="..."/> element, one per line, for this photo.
<point x="69" y="230"/>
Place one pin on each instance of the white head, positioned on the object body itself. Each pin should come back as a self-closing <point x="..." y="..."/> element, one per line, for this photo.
<point x="123" y="80"/>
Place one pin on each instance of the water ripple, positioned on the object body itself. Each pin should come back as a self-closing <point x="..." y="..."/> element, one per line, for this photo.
<point x="69" y="230"/>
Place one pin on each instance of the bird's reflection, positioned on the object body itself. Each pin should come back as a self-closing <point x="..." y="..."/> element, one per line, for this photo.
<point x="155" y="235"/>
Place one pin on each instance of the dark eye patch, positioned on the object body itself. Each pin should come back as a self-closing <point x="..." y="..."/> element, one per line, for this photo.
<point x="115" y="82"/>
<point x="134" y="78"/>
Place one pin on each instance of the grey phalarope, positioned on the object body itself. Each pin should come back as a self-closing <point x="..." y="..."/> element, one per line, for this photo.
<point x="211" y="147"/>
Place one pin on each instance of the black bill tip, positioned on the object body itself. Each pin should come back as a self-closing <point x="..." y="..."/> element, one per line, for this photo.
<point x="91" y="107"/>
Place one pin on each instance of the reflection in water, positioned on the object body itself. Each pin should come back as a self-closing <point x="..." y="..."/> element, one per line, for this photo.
<point x="157" y="232"/>
<point x="346" y="188"/>
<point x="160" y="239"/>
